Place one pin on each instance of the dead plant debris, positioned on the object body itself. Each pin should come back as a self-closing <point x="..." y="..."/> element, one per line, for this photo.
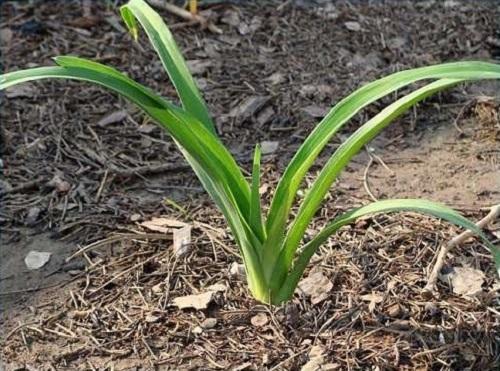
<point x="139" y="301"/>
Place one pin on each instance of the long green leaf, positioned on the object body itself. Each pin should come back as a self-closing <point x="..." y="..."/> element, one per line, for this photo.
<point x="255" y="218"/>
<point x="342" y="112"/>
<point x="195" y="140"/>
<point x="174" y="64"/>
<point x="236" y="184"/>
<point x="163" y="42"/>
<point x="342" y="156"/>
<point x="386" y="206"/>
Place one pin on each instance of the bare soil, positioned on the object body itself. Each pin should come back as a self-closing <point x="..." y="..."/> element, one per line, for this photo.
<point x="71" y="179"/>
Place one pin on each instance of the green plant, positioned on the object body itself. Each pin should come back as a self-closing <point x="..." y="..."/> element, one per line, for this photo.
<point x="271" y="250"/>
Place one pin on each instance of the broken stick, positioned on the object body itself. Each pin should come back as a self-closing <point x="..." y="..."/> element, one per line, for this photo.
<point x="184" y="14"/>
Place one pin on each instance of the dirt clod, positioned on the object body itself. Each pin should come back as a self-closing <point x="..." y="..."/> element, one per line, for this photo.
<point x="259" y="320"/>
<point x="197" y="301"/>
<point x="317" y="286"/>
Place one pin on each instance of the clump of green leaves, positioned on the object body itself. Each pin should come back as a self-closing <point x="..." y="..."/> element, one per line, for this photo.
<point x="271" y="247"/>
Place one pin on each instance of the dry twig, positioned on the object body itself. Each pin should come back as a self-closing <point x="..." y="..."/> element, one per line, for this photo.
<point x="119" y="237"/>
<point x="184" y="14"/>
<point x="430" y="287"/>
<point x="25" y="186"/>
<point x="365" y="179"/>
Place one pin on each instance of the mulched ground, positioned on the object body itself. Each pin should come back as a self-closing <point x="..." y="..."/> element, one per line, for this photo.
<point x="65" y="179"/>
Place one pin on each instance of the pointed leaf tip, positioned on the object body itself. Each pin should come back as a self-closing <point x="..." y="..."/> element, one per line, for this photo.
<point x="130" y="22"/>
<point x="64" y="60"/>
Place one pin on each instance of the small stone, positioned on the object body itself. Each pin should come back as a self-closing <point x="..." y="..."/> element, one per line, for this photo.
<point x="243" y="28"/>
<point x="197" y="330"/>
<point x="37" y="259"/>
<point x="6" y="35"/>
<point x="32" y="217"/>
<point x="259" y="320"/>
<point x="353" y="26"/>
<point x="269" y="147"/>
<point x="151" y="318"/>
<point x="451" y="4"/>
<point x="135" y="217"/>
<point x="276" y="78"/>
<point x="237" y="270"/>
<point x="209" y="323"/>
<point x="158" y="288"/>
<point x="394" y="310"/>
<point x="59" y="184"/>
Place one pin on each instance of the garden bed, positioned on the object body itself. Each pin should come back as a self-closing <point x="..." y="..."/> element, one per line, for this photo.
<point x="81" y="166"/>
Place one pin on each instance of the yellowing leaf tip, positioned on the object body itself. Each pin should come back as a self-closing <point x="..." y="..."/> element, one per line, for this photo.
<point x="130" y="22"/>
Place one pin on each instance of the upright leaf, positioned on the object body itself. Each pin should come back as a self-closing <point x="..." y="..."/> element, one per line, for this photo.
<point x="255" y="219"/>
<point x="343" y="155"/>
<point x="163" y="42"/>
<point x="340" y="114"/>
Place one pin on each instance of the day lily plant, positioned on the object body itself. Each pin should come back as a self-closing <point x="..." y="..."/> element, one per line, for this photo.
<point x="271" y="248"/>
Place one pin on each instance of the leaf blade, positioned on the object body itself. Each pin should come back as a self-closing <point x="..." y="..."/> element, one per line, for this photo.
<point x="387" y="206"/>
<point x="203" y="150"/>
<point x="199" y="133"/>
<point x="255" y="218"/>
<point x="340" y="114"/>
<point x="163" y="42"/>
<point x="342" y="156"/>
